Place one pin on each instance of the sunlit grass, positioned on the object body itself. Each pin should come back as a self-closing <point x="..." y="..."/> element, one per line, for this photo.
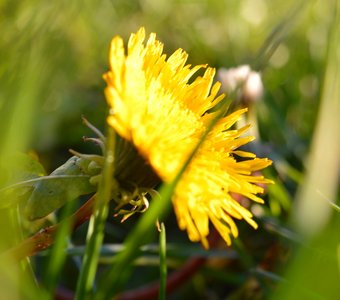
<point x="53" y="56"/>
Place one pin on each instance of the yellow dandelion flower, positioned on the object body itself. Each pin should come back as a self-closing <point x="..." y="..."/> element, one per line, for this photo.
<point x="163" y="113"/>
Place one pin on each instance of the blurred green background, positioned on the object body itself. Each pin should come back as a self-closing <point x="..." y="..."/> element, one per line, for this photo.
<point x="53" y="55"/>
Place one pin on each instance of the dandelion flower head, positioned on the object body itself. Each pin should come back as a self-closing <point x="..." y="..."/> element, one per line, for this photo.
<point x="163" y="112"/>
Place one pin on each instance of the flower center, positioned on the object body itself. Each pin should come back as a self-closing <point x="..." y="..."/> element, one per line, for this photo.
<point x="131" y="169"/>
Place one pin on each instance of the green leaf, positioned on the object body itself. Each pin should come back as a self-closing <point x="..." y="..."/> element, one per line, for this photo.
<point x="17" y="181"/>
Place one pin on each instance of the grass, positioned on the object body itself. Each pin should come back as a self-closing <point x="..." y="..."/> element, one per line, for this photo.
<point x="53" y="57"/>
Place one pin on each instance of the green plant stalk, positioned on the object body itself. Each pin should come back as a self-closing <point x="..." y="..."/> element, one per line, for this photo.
<point x="95" y="233"/>
<point x="162" y="263"/>
<point x="58" y="253"/>
<point x="28" y="283"/>
<point x="312" y="211"/>
<point x="112" y="282"/>
<point x="278" y="34"/>
<point x="22" y="87"/>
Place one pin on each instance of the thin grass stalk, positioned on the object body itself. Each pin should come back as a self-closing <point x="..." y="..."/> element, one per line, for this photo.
<point x="28" y="287"/>
<point x="312" y="211"/>
<point x="58" y="253"/>
<point x="96" y="227"/>
<point x="278" y="34"/>
<point x="112" y="282"/>
<point x="162" y="263"/>
<point x="16" y="281"/>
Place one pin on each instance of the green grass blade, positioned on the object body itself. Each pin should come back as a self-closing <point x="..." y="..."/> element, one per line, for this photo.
<point x="162" y="263"/>
<point x="58" y="252"/>
<point x="312" y="212"/>
<point x="96" y="227"/>
<point x="276" y="36"/>
<point x="113" y="281"/>
<point x="120" y="271"/>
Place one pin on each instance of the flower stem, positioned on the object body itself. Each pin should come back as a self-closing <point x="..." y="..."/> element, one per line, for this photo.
<point x="95" y="232"/>
<point x="58" y="255"/>
<point x="162" y="263"/>
<point x="115" y="278"/>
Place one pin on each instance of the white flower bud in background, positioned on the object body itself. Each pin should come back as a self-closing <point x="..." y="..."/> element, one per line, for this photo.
<point x="253" y="87"/>
<point x="243" y="78"/>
